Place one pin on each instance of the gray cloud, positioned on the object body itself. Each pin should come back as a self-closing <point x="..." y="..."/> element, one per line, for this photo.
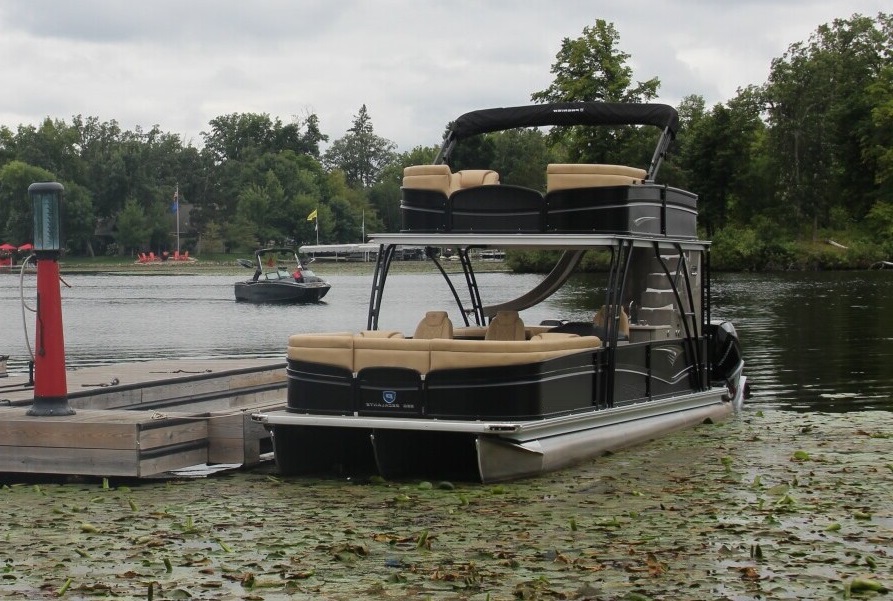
<point x="415" y="64"/>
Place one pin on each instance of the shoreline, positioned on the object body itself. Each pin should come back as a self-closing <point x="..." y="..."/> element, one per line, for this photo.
<point x="222" y="267"/>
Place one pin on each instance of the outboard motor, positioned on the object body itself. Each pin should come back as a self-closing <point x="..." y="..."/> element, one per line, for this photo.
<point x="728" y="361"/>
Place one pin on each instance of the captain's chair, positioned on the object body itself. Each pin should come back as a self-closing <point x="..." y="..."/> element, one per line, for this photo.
<point x="507" y="325"/>
<point x="435" y="324"/>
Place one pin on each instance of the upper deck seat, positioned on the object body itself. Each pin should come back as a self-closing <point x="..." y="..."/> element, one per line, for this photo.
<point x="471" y="178"/>
<point x="437" y="178"/>
<point x="565" y="176"/>
<point x="423" y="204"/>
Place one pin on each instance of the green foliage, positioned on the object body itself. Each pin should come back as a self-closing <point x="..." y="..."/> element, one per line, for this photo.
<point x="212" y="240"/>
<point x="539" y="261"/>
<point x="133" y="227"/>
<point x="16" y="223"/>
<point x="591" y="67"/>
<point x="361" y="155"/>
<point x="531" y="261"/>
<point x="79" y="222"/>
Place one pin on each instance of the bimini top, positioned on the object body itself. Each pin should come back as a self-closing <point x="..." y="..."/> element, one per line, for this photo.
<point x="580" y="198"/>
<point x="564" y="113"/>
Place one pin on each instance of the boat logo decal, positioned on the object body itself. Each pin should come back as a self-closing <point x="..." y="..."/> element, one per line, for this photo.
<point x="671" y="354"/>
<point x="641" y="220"/>
<point x="389" y="396"/>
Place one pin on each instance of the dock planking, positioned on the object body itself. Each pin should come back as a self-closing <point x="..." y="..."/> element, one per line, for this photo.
<point x="143" y="419"/>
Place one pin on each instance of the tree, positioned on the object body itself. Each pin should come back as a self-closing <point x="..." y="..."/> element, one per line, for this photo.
<point x="133" y="229"/>
<point x="716" y="153"/>
<point x="16" y="222"/>
<point x="79" y="222"/>
<point x="820" y="109"/>
<point x="360" y="154"/>
<point x="592" y="68"/>
<point x="521" y="156"/>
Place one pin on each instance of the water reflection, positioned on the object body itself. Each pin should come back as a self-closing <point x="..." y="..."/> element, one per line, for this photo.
<point x="811" y="341"/>
<point x="815" y="340"/>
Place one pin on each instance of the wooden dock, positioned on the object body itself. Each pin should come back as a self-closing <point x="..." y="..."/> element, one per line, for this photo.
<point x="143" y="419"/>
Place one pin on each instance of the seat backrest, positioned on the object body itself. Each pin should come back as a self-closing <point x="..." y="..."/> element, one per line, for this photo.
<point x="622" y="326"/>
<point x="428" y="177"/>
<point x="471" y="178"/>
<point x="435" y="324"/>
<point x="506" y="325"/>
<point x="380" y="334"/>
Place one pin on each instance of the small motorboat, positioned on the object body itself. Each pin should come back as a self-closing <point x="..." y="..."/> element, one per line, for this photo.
<point x="280" y="277"/>
<point x="497" y="398"/>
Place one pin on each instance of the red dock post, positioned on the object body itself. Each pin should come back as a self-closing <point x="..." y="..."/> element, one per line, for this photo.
<point x="50" y="385"/>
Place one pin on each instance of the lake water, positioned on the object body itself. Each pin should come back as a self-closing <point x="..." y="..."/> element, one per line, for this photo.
<point x="811" y="340"/>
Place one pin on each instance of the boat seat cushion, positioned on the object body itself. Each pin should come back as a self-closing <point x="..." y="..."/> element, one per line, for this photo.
<point x="435" y="324"/>
<point x="440" y="178"/>
<point x="470" y="178"/>
<point x="454" y="354"/>
<point x="553" y="336"/>
<point x="506" y="325"/>
<point x="470" y="332"/>
<point x="380" y="334"/>
<point x="428" y="177"/>
<point x="564" y="176"/>
<point x="392" y="352"/>
<point x="331" y="349"/>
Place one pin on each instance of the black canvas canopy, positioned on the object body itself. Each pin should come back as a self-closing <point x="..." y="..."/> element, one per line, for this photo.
<point x="564" y="113"/>
<point x="484" y="121"/>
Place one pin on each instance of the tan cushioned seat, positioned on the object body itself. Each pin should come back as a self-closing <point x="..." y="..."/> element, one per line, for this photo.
<point x="435" y="324"/>
<point x="331" y="349"/>
<point x="470" y="178"/>
<point x="452" y="354"/>
<point x="553" y="336"/>
<point x="392" y="352"/>
<point x="506" y="325"/>
<point x="477" y="332"/>
<point x="428" y="177"/>
<point x="380" y="334"/>
<point x="564" y="176"/>
<point x="356" y="352"/>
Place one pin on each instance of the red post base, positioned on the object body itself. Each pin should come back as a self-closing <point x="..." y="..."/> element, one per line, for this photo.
<point x="50" y="385"/>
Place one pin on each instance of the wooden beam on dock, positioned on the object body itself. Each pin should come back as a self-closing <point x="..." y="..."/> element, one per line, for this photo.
<point x="100" y="443"/>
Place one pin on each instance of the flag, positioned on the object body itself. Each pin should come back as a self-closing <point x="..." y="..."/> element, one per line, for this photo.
<point x="312" y="215"/>
<point x="175" y="206"/>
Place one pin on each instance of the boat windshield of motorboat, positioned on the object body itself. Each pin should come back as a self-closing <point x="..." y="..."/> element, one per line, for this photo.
<point x="280" y="277"/>
<point x="479" y="391"/>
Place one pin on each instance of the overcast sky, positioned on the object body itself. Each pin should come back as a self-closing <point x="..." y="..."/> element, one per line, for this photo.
<point x="415" y="64"/>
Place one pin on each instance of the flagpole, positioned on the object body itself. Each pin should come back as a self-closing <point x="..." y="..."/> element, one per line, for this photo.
<point x="177" y="204"/>
<point x="316" y="226"/>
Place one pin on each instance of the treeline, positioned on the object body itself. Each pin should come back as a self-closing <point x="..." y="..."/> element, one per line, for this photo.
<point x="780" y="169"/>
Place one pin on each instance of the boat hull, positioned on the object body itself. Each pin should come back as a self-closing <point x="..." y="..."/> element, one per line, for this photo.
<point x="280" y="292"/>
<point x="485" y="451"/>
